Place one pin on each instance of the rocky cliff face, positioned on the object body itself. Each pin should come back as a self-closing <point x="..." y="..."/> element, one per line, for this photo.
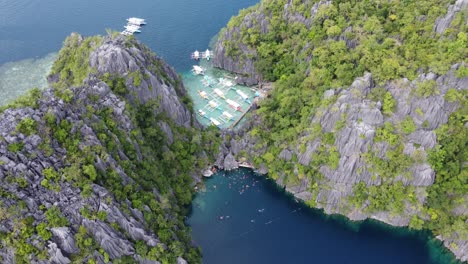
<point x="363" y="149"/>
<point x="73" y="187"/>
<point x="357" y="123"/>
<point x="233" y="54"/>
<point x="239" y="58"/>
<point x="157" y="80"/>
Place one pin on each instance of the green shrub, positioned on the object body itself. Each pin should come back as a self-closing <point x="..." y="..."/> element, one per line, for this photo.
<point x="389" y="104"/>
<point x="90" y="171"/>
<point x="27" y="126"/>
<point x="407" y="125"/>
<point x="452" y="95"/>
<point x="55" y="218"/>
<point x="42" y="231"/>
<point x="15" y="147"/>
<point x="427" y="88"/>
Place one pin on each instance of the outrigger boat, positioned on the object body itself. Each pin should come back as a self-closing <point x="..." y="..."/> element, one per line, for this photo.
<point x="215" y="122"/>
<point x="203" y="94"/>
<point x="202" y="113"/>
<point x="208" y="54"/>
<point x="198" y="70"/>
<point x="136" y="21"/>
<point x="196" y="55"/>
<point x="244" y="96"/>
<point x="133" y="28"/>
<point x="205" y="83"/>
<point x="219" y="93"/>
<point x="227" y="115"/>
<point x="209" y="81"/>
<point x="234" y="105"/>
<point x="213" y="104"/>
<point x="226" y="82"/>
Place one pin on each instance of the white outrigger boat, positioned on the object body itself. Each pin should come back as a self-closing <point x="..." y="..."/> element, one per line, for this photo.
<point x="202" y="113"/>
<point x="243" y="96"/>
<point x="213" y="105"/>
<point x="219" y="93"/>
<point x="136" y="21"/>
<point x="226" y="82"/>
<point x="126" y="33"/>
<point x="227" y="115"/>
<point x="198" y="70"/>
<point x="234" y="105"/>
<point x="208" y="54"/>
<point x="203" y="94"/>
<point x="215" y="122"/>
<point x="133" y="28"/>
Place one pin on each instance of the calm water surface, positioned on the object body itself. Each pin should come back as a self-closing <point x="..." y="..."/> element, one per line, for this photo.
<point x="259" y="224"/>
<point x="243" y="218"/>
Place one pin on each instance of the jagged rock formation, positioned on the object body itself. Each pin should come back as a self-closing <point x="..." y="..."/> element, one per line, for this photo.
<point x="368" y="137"/>
<point x="245" y="69"/>
<point x="444" y="22"/>
<point x="157" y="79"/>
<point x="62" y="154"/>
<point x="357" y="139"/>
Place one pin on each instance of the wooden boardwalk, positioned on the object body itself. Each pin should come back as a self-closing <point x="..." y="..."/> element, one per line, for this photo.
<point x="240" y="118"/>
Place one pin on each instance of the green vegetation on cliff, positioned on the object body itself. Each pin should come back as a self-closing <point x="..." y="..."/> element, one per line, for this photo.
<point x="103" y="140"/>
<point x="309" y="47"/>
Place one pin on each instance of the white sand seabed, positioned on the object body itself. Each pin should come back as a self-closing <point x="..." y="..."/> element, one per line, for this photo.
<point x="17" y="77"/>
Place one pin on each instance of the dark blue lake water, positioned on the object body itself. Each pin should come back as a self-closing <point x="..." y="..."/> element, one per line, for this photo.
<point x="264" y="224"/>
<point x="244" y="218"/>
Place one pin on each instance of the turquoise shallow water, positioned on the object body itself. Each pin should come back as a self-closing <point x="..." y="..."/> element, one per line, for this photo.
<point x="222" y="113"/>
<point x="30" y="30"/>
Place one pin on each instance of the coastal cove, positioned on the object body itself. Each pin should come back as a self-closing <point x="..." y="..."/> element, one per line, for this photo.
<point x="238" y="216"/>
<point x="262" y="223"/>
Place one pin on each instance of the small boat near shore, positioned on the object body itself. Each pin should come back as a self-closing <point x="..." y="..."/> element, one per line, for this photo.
<point x="243" y="96"/>
<point x="219" y="93"/>
<point x="202" y="113"/>
<point x="213" y="104"/>
<point x="215" y="122"/>
<point x="228" y="116"/>
<point x="133" y="28"/>
<point x="234" y="105"/>
<point x="203" y="94"/>
<point x="225" y="82"/>
<point x="136" y="21"/>
<point x="197" y="70"/>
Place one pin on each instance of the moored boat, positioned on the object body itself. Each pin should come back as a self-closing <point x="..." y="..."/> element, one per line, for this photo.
<point x="215" y="122"/>
<point x="132" y="28"/>
<point x="227" y="115"/>
<point x="201" y="113"/>
<point x="136" y="21"/>
<point x="198" y="70"/>
<point x="203" y="94"/>
<point x="243" y="96"/>
<point x="234" y="105"/>
<point x="213" y="104"/>
<point x="219" y="93"/>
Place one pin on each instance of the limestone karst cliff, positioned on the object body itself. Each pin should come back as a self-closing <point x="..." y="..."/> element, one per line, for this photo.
<point x="99" y="167"/>
<point x="367" y="115"/>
